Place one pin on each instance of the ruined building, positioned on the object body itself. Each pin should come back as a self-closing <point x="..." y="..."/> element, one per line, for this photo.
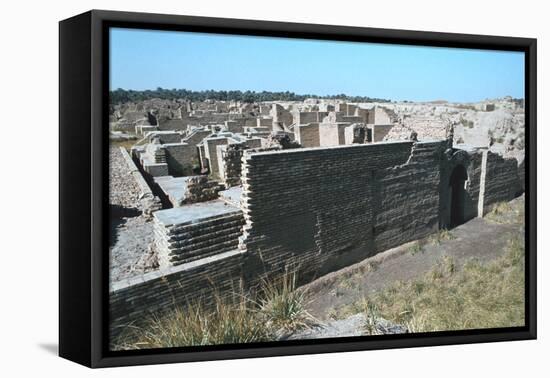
<point x="238" y="209"/>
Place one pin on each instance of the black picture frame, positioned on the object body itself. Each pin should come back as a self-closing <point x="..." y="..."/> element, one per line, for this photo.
<point x="83" y="196"/>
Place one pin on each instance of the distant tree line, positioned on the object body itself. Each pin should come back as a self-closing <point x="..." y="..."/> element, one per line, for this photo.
<point x="119" y="96"/>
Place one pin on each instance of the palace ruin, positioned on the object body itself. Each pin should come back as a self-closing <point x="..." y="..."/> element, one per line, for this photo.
<point x="230" y="193"/>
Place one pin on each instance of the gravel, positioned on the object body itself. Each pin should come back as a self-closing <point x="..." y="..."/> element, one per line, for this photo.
<point x="355" y="325"/>
<point x="123" y="189"/>
<point x="132" y="235"/>
<point x="132" y="254"/>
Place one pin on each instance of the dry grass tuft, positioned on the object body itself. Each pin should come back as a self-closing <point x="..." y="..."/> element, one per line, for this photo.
<point x="508" y="212"/>
<point x="477" y="296"/>
<point x="278" y="307"/>
<point x="440" y="236"/>
<point x="282" y="306"/>
<point x="229" y="323"/>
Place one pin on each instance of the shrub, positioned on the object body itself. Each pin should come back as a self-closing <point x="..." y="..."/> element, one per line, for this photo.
<point x="281" y="305"/>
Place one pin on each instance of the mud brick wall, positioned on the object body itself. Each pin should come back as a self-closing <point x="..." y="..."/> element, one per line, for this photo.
<point x="322" y="209"/>
<point x="174" y="124"/>
<point x="211" y="153"/>
<point x="473" y="164"/>
<point x="267" y="122"/>
<point x="521" y="175"/>
<point x="380" y="131"/>
<point x="180" y="158"/>
<point x="317" y="210"/>
<point x="184" y="243"/>
<point x="502" y="182"/>
<point x="168" y="138"/>
<point x="302" y="118"/>
<point x="379" y="116"/>
<point x="406" y="198"/>
<point x="473" y="186"/>
<point x="157" y="170"/>
<point x="231" y="164"/>
<point x="196" y="137"/>
<point x="134" y="299"/>
<point x="332" y="134"/>
<point x="307" y="135"/>
<point x="182" y="123"/>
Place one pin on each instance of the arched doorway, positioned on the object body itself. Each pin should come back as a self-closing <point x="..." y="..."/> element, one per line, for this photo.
<point x="457" y="195"/>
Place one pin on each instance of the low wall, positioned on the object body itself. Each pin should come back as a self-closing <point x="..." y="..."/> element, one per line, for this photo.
<point x="132" y="300"/>
<point x="148" y="201"/>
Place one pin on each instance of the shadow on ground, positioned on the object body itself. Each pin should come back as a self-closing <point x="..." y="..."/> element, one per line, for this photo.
<point x="51" y="348"/>
<point x="118" y="216"/>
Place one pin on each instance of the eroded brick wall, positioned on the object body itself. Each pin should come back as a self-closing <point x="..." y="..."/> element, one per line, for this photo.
<point x="180" y="158"/>
<point x="380" y="131"/>
<point x="321" y="209"/>
<point x="473" y="165"/>
<point x="307" y="135"/>
<point x="502" y="180"/>
<point x="407" y="198"/>
<point x="134" y="299"/>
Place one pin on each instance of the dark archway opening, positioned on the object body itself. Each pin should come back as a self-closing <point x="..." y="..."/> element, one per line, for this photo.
<point x="457" y="192"/>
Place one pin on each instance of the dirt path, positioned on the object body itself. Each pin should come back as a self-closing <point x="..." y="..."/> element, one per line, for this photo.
<point x="479" y="238"/>
<point x="131" y="231"/>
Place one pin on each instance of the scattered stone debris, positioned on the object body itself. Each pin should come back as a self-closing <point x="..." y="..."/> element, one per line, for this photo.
<point x="281" y="139"/>
<point x="131" y="227"/>
<point x="124" y="191"/>
<point x="201" y="189"/>
<point x="355" y="325"/>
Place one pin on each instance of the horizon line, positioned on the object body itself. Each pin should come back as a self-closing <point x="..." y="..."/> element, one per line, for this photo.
<point x="313" y="95"/>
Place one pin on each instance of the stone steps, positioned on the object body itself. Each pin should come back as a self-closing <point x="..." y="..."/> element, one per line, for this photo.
<point x="182" y="243"/>
<point x="195" y="243"/>
<point x="177" y="259"/>
<point x="192" y="227"/>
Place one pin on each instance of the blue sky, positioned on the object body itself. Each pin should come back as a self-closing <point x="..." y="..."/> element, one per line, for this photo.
<point x="144" y="59"/>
